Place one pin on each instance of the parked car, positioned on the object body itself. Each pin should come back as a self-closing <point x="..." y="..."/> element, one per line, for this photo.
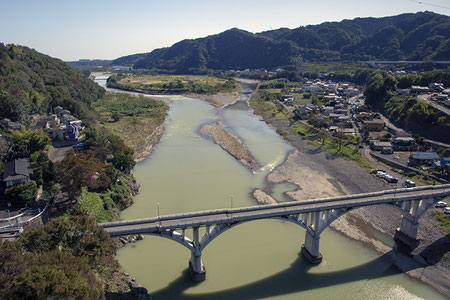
<point x="447" y="210"/>
<point x="441" y="204"/>
<point x="409" y="183"/>
<point x="390" y="179"/>
<point x="381" y="174"/>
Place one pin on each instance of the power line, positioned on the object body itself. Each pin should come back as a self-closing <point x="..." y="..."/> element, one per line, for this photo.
<point x="430" y="4"/>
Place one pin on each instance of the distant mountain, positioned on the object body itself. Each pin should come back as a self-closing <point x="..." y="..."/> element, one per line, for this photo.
<point x="89" y="63"/>
<point x="30" y="81"/>
<point x="128" y="60"/>
<point x="419" y="36"/>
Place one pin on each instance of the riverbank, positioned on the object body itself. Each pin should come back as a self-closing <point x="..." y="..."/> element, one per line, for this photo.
<point x="319" y="174"/>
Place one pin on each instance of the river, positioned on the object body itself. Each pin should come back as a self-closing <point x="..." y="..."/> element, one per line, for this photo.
<point x="255" y="260"/>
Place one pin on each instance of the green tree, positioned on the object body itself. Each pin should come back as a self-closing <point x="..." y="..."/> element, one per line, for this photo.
<point x="340" y="138"/>
<point x="56" y="275"/>
<point x="22" y="194"/>
<point x="24" y="142"/>
<point x="77" y="235"/>
<point x="43" y="169"/>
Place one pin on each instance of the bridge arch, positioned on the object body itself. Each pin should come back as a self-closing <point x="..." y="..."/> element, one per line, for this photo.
<point x="411" y="212"/>
<point x="176" y="237"/>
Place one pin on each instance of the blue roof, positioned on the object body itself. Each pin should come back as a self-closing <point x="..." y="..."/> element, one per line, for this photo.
<point x="425" y="156"/>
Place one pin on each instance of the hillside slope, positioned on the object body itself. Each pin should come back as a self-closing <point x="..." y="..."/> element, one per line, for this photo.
<point x="30" y="81"/>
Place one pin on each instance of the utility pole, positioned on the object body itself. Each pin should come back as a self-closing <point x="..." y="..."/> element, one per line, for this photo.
<point x="157" y="205"/>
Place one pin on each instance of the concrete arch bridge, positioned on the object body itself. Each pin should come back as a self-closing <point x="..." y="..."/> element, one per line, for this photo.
<point x="313" y="215"/>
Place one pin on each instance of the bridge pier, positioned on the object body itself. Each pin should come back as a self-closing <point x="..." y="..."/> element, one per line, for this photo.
<point x="196" y="267"/>
<point x="310" y="249"/>
<point x="406" y="236"/>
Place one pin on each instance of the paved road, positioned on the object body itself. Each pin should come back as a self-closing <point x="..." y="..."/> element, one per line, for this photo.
<point x="377" y="165"/>
<point x="434" y="104"/>
<point x="226" y="216"/>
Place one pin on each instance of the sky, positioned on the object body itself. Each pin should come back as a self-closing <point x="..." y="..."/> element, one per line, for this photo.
<point x="108" y="29"/>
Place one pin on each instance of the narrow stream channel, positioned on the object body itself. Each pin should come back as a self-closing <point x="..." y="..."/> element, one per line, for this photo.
<point x="255" y="260"/>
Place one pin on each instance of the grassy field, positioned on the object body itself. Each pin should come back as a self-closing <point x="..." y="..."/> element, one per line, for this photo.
<point x="268" y="108"/>
<point x="444" y="221"/>
<point x="174" y="83"/>
<point x="348" y="150"/>
<point x="132" y="118"/>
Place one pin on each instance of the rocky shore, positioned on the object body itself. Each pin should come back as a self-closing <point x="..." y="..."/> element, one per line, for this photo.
<point x="149" y="142"/>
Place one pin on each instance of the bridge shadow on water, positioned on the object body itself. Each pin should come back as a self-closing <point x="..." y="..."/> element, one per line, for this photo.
<point x="294" y="279"/>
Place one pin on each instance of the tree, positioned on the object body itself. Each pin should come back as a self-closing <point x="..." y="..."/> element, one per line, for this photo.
<point x="13" y="261"/>
<point x="56" y="275"/>
<point x="43" y="169"/>
<point x="340" y="138"/>
<point x="322" y="135"/>
<point x="22" y="194"/>
<point x="80" y="169"/>
<point x="25" y="142"/>
<point x="77" y="235"/>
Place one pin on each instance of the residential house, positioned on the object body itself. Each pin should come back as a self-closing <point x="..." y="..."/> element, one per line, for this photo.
<point x="7" y="123"/>
<point x="445" y="161"/>
<point x="65" y="118"/>
<point x="374" y="125"/>
<point x="303" y="112"/>
<point x="421" y="158"/>
<point x="71" y="132"/>
<point x="16" y="172"/>
<point x="347" y="131"/>
<point x="419" y="89"/>
<point x="333" y="129"/>
<point x="438" y="87"/>
<point x="327" y="110"/>
<point x="379" y="145"/>
<point x="57" y="133"/>
<point x="46" y="122"/>
<point x="404" y="143"/>
<point x="57" y="109"/>
<point x="403" y="91"/>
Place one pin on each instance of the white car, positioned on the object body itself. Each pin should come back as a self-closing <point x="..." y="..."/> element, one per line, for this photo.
<point x="441" y="204"/>
<point x="381" y="174"/>
<point x="409" y="183"/>
<point x="447" y="210"/>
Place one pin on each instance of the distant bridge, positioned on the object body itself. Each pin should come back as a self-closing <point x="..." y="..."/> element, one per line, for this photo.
<point x="313" y="215"/>
<point x="374" y="63"/>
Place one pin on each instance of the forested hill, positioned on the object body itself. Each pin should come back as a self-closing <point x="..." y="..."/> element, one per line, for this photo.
<point x="420" y="36"/>
<point x="30" y="81"/>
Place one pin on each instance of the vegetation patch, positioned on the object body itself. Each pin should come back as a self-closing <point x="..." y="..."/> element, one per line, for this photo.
<point x="444" y="221"/>
<point x="123" y="114"/>
<point x="172" y="84"/>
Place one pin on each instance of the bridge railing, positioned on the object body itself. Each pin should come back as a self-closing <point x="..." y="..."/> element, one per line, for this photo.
<point x="279" y="205"/>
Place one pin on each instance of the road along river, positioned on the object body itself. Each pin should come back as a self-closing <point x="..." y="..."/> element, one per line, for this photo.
<point x="260" y="259"/>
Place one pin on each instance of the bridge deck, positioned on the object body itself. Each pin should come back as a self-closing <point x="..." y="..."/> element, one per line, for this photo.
<point x="214" y="217"/>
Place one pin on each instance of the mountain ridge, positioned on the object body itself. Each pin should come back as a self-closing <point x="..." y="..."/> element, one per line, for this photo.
<point x="419" y="36"/>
